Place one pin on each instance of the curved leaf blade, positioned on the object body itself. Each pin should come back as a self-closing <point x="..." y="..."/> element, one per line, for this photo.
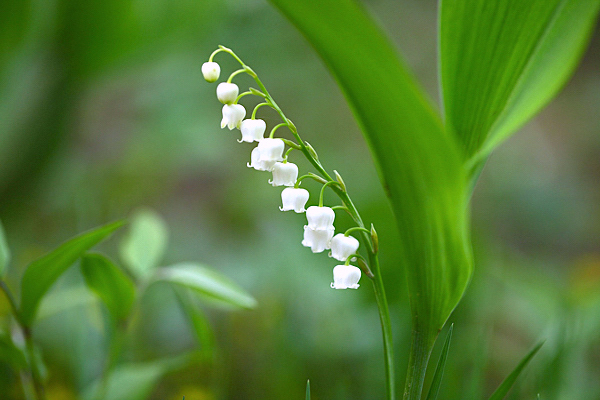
<point x="43" y="272"/>
<point x="104" y="278"/>
<point x="418" y="163"/>
<point x="501" y="61"/>
<point x="207" y="282"/>
<point x="439" y="369"/>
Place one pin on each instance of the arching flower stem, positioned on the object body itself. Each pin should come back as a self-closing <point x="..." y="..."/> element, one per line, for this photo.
<point x="277" y="127"/>
<point x="377" y="280"/>
<point x="356" y="228"/>
<point x="240" y="96"/>
<point x="257" y="107"/>
<point x="323" y="191"/>
<point x="234" y="73"/>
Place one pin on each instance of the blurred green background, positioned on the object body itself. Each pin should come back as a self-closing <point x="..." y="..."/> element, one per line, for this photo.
<point x="103" y="110"/>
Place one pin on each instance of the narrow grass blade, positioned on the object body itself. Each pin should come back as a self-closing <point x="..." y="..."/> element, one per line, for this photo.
<point x="439" y="370"/>
<point x="43" y="272"/>
<point x="510" y="379"/>
<point x="308" y="389"/>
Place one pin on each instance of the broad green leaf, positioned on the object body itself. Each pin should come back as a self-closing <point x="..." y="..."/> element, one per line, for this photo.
<point x="144" y="246"/>
<point x="434" y="389"/>
<point x="115" y="288"/>
<point x="510" y="379"/>
<point x="198" y="323"/>
<point x="10" y="353"/>
<point x="4" y="253"/>
<point x="134" y="381"/>
<point x="207" y="282"/>
<point x="43" y="272"/>
<point x="418" y="163"/>
<point x="503" y="60"/>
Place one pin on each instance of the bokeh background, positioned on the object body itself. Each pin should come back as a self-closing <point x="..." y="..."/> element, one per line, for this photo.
<point x="103" y="110"/>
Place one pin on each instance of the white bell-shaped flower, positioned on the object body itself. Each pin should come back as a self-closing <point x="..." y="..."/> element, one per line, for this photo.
<point x="320" y="217"/>
<point x="252" y="130"/>
<point x="294" y="199"/>
<point x="233" y="114"/>
<point x="227" y="92"/>
<point x="317" y="239"/>
<point x="343" y="246"/>
<point x="284" y="174"/>
<point x="345" y="277"/>
<point x="257" y="164"/>
<point x="271" y="149"/>
<point x="211" y="71"/>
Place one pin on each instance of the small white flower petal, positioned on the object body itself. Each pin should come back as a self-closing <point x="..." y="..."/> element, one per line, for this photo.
<point x="345" y="277"/>
<point x="211" y="71"/>
<point x="252" y="130"/>
<point x="284" y="174"/>
<point x="227" y="92"/>
<point x="271" y="149"/>
<point x="233" y="114"/>
<point x="294" y="199"/>
<point x="320" y="217"/>
<point x="343" y="246"/>
<point x="317" y="239"/>
<point x="257" y="164"/>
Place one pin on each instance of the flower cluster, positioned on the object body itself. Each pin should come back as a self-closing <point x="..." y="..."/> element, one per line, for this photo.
<point x="268" y="155"/>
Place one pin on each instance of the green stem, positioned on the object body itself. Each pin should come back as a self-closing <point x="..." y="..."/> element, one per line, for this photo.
<point x="356" y="228"/>
<point x="386" y="327"/>
<point x="323" y="191"/>
<point x="420" y="351"/>
<point x="34" y="372"/>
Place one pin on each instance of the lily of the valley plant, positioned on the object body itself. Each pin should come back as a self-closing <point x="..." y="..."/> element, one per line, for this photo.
<point x="270" y="155"/>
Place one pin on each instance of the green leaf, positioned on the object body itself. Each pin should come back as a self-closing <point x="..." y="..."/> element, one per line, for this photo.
<point x="510" y="379"/>
<point x="4" y="253"/>
<point x="419" y="164"/>
<point x="134" y="381"/>
<point x="503" y="60"/>
<point x="43" y="272"/>
<point x="10" y="353"/>
<point x="206" y="282"/>
<point x="439" y="369"/>
<point x="198" y="323"/>
<point x="144" y="246"/>
<point x="308" y="389"/>
<point x="115" y="288"/>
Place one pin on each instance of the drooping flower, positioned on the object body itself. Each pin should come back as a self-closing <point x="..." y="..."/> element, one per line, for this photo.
<point x="294" y="199"/>
<point x="227" y="92"/>
<point x="320" y="217"/>
<point x="284" y="174"/>
<point x="271" y="149"/>
<point x="257" y="164"/>
<point x="343" y="246"/>
<point x="317" y="239"/>
<point x="345" y="277"/>
<point x="233" y="114"/>
<point x="211" y="71"/>
<point x="252" y="130"/>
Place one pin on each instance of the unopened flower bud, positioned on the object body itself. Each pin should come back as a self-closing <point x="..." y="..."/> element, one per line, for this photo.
<point x="343" y="246"/>
<point x="294" y="199"/>
<point x="284" y="174"/>
<point x="317" y="239"/>
<point x="252" y="130"/>
<point x="271" y="149"/>
<point x="227" y="92"/>
<point x="345" y="277"/>
<point x="257" y="164"/>
<point x="320" y="217"/>
<point x="233" y="114"/>
<point x="211" y="71"/>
